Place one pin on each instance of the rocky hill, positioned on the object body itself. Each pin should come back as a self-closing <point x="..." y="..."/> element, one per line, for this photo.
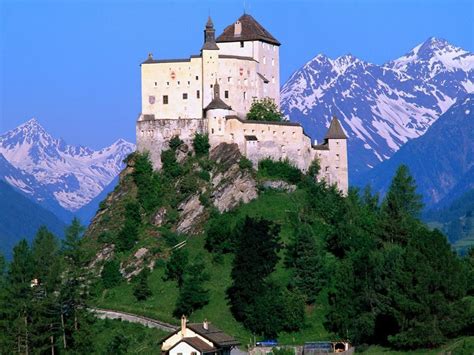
<point x="381" y="107"/>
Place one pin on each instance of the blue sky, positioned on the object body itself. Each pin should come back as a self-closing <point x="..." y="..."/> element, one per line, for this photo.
<point x="74" y="65"/>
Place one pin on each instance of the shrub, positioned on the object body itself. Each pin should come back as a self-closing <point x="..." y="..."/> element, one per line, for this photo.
<point x="245" y="164"/>
<point x="175" y="143"/>
<point x="171" y="166"/>
<point x="201" y="144"/>
<point x="110" y="274"/>
<point x="204" y="175"/>
<point x="264" y="110"/>
<point x="281" y="169"/>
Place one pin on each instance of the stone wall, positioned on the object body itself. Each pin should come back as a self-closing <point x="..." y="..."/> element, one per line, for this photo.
<point x="154" y="135"/>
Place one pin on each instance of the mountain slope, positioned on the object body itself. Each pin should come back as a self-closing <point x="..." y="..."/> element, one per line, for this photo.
<point x="441" y="161"/>
<point x="380" y="107"/>
<point x="72" y="175"/>
<point x="21" y="218"/>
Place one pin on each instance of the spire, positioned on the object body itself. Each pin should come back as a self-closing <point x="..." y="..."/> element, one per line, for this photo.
<point x="335" y="130"/>
<point x="216" y="90"/>
<point x="210" y="36"/>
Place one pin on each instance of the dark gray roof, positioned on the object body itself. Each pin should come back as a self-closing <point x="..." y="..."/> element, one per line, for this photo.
<point x="278" y="123"/>
<point x="213" y="334"/>
<point x="251" y="138"/>
<point x="217" y="103"/>
<point x="228" y="56"/>
<point x="210" y="46"/>
<point x="148" y="117"/>
<point x="150" y="59"/>
<point x="265" y="80"/>
<point x="321" y="147"/>
<point x="251" y="31"/>
<point x="335" y="130"/>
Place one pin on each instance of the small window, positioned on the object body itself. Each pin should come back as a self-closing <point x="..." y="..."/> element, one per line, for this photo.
<point x="337" y="157"/>
<point x="167" y="83"/>
<point x="212" y="86"/>
<point x="178" y="82"/>
<point x="229" y="79"/>
<point x="198" y="94"/>
<point x="189" y="83"/>
<point x="212" y="130"/>
<point x="156" y="83"/>
<point x="241" y="44"/>
<point x="197" y="77"/>
<point x="185" y="96"/>
<point x="226" y="94"/>
<point x="245" y="95"/>
<point x="165" y="99"/>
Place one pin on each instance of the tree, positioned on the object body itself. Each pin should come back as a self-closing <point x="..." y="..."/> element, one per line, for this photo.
<point x="176" y="266"/>
<point x="147" y="181"/>
<point x="264" y="110"/>
<point x="201" y="144"/>
<point x="255" y="259"/>
<point x="141" y="289"/>
<point x="110" y="274"/>
<point x="307" y="263"/>
<point x="401" y="207"/>
<point x="118" y="345"/>
<point x="128" y="235"/>
<point x="192" y="294"/>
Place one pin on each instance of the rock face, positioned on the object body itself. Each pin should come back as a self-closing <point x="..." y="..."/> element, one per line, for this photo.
<point x="278" y="185"/>
<point x="191" y="211"/>
<point x="231" y="185"/>
<point x="135" y="265"/>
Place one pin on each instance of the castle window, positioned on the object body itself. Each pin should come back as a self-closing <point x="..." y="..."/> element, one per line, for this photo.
<point x="167" y="83"/>
<point x="198" y="94"/>
<point x="241" y="44"/>
<point x="337" y="157"/>
<point x="185" y="96"/>
<point x="226" y="94"/>
<point x="189" y="83"/>
<point x="165" y="99"/>
<point x="245" y="95"/>
<point x="274" y="133"/>
<point x="197" y="77"/>
<point x="294" y="134"/>
<point x="212" y="86"/>
<point x="229" y="79"/>
<point x="212" y="130"/>
<point x="156" y="83"/>
<point x="178" y="82"/>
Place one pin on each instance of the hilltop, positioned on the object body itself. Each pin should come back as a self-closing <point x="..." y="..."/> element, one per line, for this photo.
<point x="330" y="252"/>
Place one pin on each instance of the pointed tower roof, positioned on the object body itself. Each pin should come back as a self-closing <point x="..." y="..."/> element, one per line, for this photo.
<point x="217" y="102"/>
<point x="209" y="36"/>
<point x="335" y="130"/>
<point x="250" y="30"/>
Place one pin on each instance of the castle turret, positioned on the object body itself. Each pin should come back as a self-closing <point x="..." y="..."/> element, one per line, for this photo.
<point x="336" y="140"/>
<point x="210" y="36"/>
<point x="216" y="113"/>
<point x="210" y="63"/>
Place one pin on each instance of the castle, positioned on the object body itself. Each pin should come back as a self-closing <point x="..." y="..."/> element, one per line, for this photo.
<point x="211" y="93"/>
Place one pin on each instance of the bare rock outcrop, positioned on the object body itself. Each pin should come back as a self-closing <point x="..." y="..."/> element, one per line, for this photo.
<point x="136" y="264"/>
<point x="191" y="211"/>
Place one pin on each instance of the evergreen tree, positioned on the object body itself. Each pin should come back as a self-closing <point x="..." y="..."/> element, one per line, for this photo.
<point x="141" y="289"/>
<point x="255" y="259"/>
<point x="307" y="263"/>
<point x="192" y="294"/>
<point x="176" y="266"/>
<point x="118" y="345"/>
<point x="201" y="144"/>
<point x="128" y="235"/>
<point x="401" y="207"/>
<point x="110" y="274"/>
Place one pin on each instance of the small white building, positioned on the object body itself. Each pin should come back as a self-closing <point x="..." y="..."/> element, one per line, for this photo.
<point x="197" y="338"/>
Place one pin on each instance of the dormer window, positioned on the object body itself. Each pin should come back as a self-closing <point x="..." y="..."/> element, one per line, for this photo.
<point x="241" y="44"/>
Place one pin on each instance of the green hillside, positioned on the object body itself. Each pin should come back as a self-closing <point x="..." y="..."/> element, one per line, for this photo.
<point x="365" y="253"/>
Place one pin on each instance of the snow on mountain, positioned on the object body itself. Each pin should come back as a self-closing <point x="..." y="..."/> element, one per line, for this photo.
<point x="74" y="175"/>
<point x="380" y="107"/>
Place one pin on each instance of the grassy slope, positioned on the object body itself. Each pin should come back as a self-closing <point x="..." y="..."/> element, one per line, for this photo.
<point x="271" y="205"/>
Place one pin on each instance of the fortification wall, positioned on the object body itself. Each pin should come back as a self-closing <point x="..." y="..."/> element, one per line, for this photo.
<point x="154" y="135"/>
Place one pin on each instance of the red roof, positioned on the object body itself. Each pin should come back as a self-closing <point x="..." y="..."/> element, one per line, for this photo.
<point x="251" y="31"/>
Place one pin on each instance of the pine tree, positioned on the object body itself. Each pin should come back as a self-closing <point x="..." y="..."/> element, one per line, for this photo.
<point x="110" y="274"/>
<point x="192" y="294"/>
<point x="142" y="290"/>
<point x="401" y="207"/>
<point x="128" y="235"/>
<point x="255" y="259"/>
<point x="176" y="266"/>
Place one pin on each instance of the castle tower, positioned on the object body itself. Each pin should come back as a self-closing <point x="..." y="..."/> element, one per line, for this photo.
<point x="336" y="140"/>
<point x="216" y="113"/>
<point x="210" y="63"/>
<point x="248" y="38"/>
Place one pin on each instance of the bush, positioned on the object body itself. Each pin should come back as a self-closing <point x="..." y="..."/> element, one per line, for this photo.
<point x="201" y="144"/>
<point x="188" y="185"/>
<point x="281" y="169"/>
<point x="171" y="167"/>
<point x="245" y="164"/>
<point x="175" y="143"/>
<point x="141" y="290"/>
<point x="110" y="274"/>
<point x="264" y="110"/>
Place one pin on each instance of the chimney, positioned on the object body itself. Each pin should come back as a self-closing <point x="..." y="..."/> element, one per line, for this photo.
<point x="183" y="325"/>
<point x="237" y="29"/>
<point x="205" y="324"/>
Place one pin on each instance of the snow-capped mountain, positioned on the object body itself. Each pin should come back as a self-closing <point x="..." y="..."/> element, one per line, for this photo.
<point x="73" y="175"/>
<point x="381" y="107"/>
